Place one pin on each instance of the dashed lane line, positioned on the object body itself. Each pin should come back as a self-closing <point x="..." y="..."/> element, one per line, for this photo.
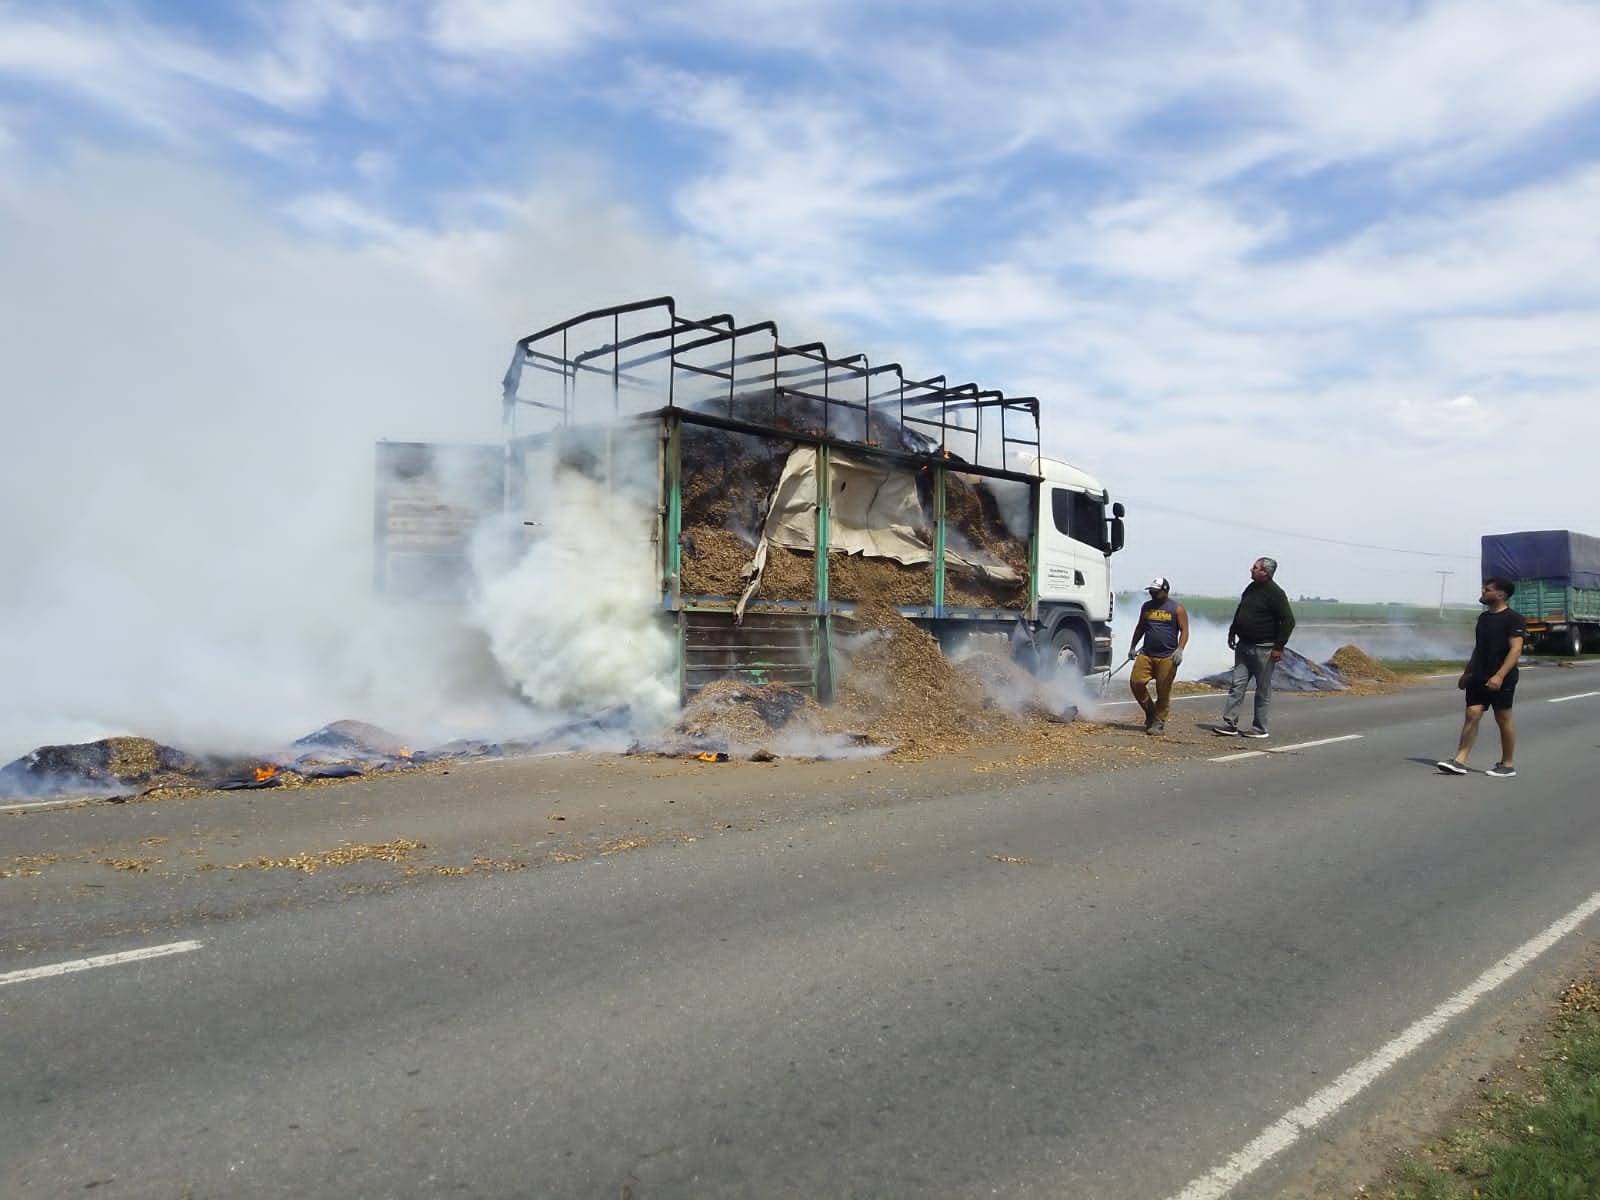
<point x="1564" y="699"/>
<point x="1327" y="741"/>
<point x="1266" y="750"/>
<point x="1297" y="1122"/>
<point x="99" y="960"/>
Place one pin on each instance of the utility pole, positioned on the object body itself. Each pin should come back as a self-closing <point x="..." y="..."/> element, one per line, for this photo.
<point x="1443" y="575"/>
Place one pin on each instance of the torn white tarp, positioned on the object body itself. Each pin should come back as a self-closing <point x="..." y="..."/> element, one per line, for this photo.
<point x="873" y="510"/>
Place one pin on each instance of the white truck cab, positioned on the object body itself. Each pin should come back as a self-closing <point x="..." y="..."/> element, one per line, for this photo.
<point x="1079" y="530"/>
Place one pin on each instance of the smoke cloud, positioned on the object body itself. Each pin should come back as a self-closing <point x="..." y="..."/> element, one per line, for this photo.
<point x="190" y="392"/>
<point x="574" y="624"/>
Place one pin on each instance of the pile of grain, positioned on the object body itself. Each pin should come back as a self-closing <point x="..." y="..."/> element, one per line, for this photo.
<point x="901" y="689"/>
<point x="1357" y="665"/>
<point x="711" y="562"/>
<point x="973" y="515"/>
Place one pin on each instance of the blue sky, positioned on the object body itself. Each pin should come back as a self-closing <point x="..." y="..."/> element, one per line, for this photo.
<point x="1285" y="275"/>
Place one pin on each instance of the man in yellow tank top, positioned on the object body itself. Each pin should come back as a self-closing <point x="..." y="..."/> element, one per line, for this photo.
<point x="1164" y="627"/>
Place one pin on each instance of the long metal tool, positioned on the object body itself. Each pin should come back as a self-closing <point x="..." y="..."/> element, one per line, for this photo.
<point x="1105" y="679"/>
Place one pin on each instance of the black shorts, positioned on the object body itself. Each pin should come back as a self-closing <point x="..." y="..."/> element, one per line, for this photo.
<point x="1499" y="699"/>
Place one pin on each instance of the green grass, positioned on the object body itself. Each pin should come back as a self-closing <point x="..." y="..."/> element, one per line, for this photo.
<point x="1539" y="1143"/>
<point x="1424" y="666"/>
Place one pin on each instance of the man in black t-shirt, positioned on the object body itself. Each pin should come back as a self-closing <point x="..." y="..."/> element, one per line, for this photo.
<point x="1490" y="679"/>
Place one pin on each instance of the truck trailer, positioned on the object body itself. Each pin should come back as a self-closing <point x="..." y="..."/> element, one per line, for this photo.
<point x="1557" y="574"/>
<point x="769" y="491"/>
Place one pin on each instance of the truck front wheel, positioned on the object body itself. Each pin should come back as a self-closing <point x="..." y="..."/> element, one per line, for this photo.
<point x="1070" y="654"/>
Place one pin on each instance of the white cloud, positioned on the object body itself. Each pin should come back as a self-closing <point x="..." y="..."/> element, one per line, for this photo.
<point x="1159" y="235"/>
<point x="1453" y="80"/>
<point x="182" y="86"/>
<point x="520" y="27"/>
<point x="792" y="185"/>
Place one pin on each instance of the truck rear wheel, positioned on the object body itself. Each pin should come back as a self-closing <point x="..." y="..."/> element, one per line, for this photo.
<point x="1572" y="640"/>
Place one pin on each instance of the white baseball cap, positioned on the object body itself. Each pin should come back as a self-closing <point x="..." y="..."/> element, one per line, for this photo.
<point x="1158" y="584"/>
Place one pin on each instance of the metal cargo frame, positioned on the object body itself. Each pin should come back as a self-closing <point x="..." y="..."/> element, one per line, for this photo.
<point x="644" y="361"/>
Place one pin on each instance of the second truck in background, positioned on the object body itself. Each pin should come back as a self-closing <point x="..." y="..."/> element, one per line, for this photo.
<point x="1557" y="573"/>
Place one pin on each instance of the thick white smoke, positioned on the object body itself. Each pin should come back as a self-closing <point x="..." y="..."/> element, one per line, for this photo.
<point x="190" y="392"/>
<point x="574" y="624"/>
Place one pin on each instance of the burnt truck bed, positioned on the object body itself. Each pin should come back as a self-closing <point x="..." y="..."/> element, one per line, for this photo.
<point x="768" y="490"/>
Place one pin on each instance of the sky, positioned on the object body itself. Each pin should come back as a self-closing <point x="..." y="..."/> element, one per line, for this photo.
<point x="1319" y="282"/>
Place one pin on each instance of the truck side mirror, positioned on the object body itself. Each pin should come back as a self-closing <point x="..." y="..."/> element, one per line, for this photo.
<point x="1117" y="510"/>
<point x="1118" y="533"/>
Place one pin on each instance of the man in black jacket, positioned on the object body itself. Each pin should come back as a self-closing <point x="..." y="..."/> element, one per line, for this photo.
<point x="1261" y="627"/>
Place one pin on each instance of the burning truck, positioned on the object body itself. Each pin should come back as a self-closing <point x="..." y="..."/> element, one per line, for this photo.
<point x="681" y="500"/>
<point x="688" y="525"/>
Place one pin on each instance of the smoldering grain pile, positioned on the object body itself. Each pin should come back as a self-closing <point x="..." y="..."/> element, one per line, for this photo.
<point x="112" y="766"/>
<point x="746" y="715"/>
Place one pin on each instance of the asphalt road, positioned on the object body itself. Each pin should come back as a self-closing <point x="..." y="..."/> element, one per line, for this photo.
<point x="1103" y="985"/>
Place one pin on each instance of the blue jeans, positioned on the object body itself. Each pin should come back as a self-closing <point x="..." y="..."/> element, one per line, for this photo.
<point x="1250" y="662"/>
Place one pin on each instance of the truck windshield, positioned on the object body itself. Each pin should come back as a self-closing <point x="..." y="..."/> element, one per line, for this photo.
<point x="1079" y="516"/>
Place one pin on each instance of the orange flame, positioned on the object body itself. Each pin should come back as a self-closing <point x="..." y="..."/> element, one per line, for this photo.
<point x="404" y="753"/>
<point x="708" y="756"/>
<point x="265" y="773"/>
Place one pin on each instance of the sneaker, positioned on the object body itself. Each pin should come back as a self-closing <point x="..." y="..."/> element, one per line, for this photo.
<point x="1253" y="733"/>
<point x="1500" y="771"/>
<point x="1450" y="766"/>
<point x="1226" y="730"/>
<point x="1157" y="728"/>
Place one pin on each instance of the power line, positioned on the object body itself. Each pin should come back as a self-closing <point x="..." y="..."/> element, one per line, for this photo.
<point x="1308" y="537"/>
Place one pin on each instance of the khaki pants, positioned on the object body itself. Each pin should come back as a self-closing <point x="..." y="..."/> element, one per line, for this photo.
<point x="1163" y="671"/>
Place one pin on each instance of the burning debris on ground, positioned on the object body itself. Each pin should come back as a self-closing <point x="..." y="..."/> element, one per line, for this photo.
<point x="111" y="768"/>
<point x="122" y="768"/>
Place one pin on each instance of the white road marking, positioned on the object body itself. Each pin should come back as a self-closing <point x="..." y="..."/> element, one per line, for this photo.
<point x="99" y="960"/>
<point x="1564" y="699"/>
<point x="1349" y="737"/>
<point x="1266" y="750"/>
<point x="1297" y="1122"/>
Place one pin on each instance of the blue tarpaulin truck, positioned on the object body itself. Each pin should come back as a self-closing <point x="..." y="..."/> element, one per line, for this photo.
<point x="1557" y="573"/>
